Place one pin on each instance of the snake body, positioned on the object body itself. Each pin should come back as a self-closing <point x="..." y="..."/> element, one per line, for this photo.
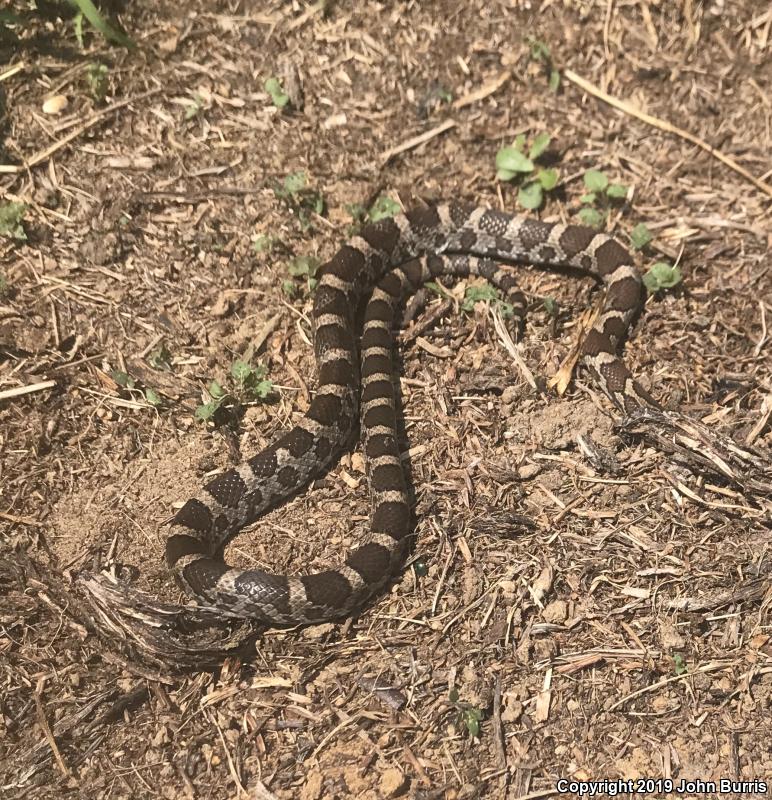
<point x="389" y="259"/>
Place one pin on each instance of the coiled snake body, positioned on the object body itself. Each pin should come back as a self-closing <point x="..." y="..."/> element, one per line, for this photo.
<point x="391" y="258"/>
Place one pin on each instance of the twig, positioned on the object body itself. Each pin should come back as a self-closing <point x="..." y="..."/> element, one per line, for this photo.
<point x="19" y="520"/>
<point x="240" y="790"/>
<point x="506" y="339"/>
<point x="484" y="91"/>
<point x="387" y="155"/>
<point x="47" y="729"/>
<point x="664" y="125"/>
<point x="607" y="27"/>
<point x="43" y="155"/>
<point x="764" y="415"/>
<point x="763" y="337"/>
<point x="498" y="730"/>
<point x="305" y="16"/>
<point x="32" y="387"/>
<point x="659" y="684"/>
<point x="11" y="71"/>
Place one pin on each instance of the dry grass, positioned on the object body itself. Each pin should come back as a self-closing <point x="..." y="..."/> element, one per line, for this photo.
<point x="607" y="624"/>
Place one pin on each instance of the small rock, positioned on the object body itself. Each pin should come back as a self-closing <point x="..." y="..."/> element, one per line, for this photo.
<point x="222" y="306"/>
<point x="669" y="636"/>
<point x="314" y="632"/>
<point x="556" y="611"/>
<point x="393" y="783"/>
<point x="55" y="104"/>
<point x="510" y="395"/>
<point x="528" y="471"/>
<point x="513" y="710"/>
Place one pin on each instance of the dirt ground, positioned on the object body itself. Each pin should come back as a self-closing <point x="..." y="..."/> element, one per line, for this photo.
<point x="561" y="622"/>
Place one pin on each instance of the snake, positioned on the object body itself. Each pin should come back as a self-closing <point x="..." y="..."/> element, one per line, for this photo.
<point x="380" y="268"/>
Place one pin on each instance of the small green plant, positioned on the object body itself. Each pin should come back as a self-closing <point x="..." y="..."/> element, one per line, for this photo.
<point x="96" y="76"/>
<point x="125" y="381"/>
<point x="9" y="18"/>
<point x="251" y="381"/>
<point x="512" y="164"/>
<point x="263" y="243"/>
<point x="193" y="108"/>
<point x="551" y="306"/>
<point x="249" y="385"/>
<point x="278" y="96"/>
<point x="77" y="25"/>
<point x="484" y="291"/>
<point x="468" y="716"/>
<point x="384" y="207"/>
<point x="217" y="397"/>
<point x="3" y="285"/>
<point x="679" y="664"/>
<point x="600" y="192"/>
<point x="300" y="198"/>
<point x="540" y="53"/>
<point x="153" y="398"/>
<point x="445" y="94"/>
<point x="11" y="216"/>
<point x="436" y="95"/>
<point x="662" y="276"/>
<point x="88" y="10"/>
<point x="303" y="270"/>
<point x="160" y="358"/>
<point x="640" y="236"/>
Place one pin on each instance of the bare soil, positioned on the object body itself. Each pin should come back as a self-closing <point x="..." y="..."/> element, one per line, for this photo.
<point x="599" y="625"/>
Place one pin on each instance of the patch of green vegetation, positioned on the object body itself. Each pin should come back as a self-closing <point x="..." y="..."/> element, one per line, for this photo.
<point x="278" y="96"/>
<point x="96" y="77"/>
<point x="88" y="10"/>
<point x="193" y="108"/>
<point x="4" y="286"/>
<point x="9" y="18"/>
<point x="444" y="94"/>
<point x="123" y="379"/>
<point x="383" y="207"/>
<point x="248" y="384"/>
<point x="11" y="216"/>
<point x="77" y="25"/>
<point x="126" y="381"/>
<point x="484" y="291"/>
<point x="540" y="53"/>
<point x="468" y="716"/>
<point x="512" y="164"/>
<point x="551" y="306"/>
<point x="679" y="664"/>
<point x="303" y="270"/>
<point x="263" y="243"/>
<point x="662" y="276"/>
<point x="160" y="358"/>
<point x="153" y="398"/>
<point x="640" y="236"/>
<point x="436" y="95"/>
<point x="84" y="9"/>
<point x="433" y="286"/>
<point x="598" y="197"/>
<point x="299" y="197"/>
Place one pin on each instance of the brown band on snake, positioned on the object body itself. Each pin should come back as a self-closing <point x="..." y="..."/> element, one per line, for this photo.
<point x="391" y="258"/>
